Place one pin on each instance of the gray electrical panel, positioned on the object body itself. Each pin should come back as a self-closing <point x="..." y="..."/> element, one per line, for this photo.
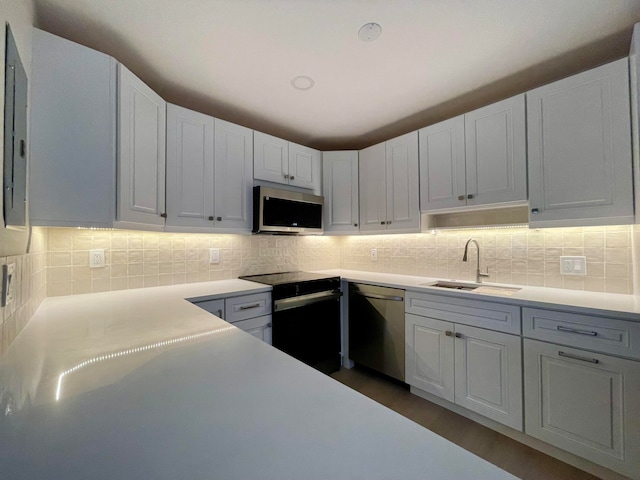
<point x="15" y="135"/>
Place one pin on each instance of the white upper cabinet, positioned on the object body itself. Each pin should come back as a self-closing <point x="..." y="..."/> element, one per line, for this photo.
<point x="475" y="159"/>
<point x="279" y="161"/>
<point x="73" y="134"/>
<point x="270" y="158"/>
<point x="305" y="166"/>
<point x="340" y="191"/>
<point x="189" y="168"/>
<point x="141" y="153"/>
<point x="233" y="176"/>
<point x="389" y="196"/>
<point x="579" y="142"/>
<point x="209" y="173"/>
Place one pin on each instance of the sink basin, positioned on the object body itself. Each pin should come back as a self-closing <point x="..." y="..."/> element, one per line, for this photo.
<point x="454" y="285"/>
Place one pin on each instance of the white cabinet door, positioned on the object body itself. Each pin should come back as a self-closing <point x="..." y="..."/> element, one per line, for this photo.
<point x="340" y="191"/>
<point x="488" y="374"/>
<point x="496" y="153"/>
<point x="579" y="149"/>
<point x="305" y="167"/>
<point x="259" y="327"/>
<point x="403" y="202"/>
<point x="585" y="403"/>
<point x="429" y="355"/>
<point x="233" y="176"/>
<point x="270" y="158"/>
<point x="189" y="168"/>
<point x="442" y="165"/>
<point x="141" y="151"/>
<point x="73" y="134"/>
<point x="373" y="187"/>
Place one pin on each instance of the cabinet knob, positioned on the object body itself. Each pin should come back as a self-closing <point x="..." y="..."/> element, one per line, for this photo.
<point x="355" y="224"/>
<point x="210" y="219"/>
<point x="535" y="210"/>
<point x="218" y="219"/>
<point x="268" y="325"/>
<point x="383" y="223"/>
<point x="285" y="175"/>
<point x="460" y="197"/>
<point x="470" y="196"/>
<point x="163" y="215"/>
<point x="291" y="177"/>
<point x="448" y="333"/>
<point x="388" y="222"/>
<point x="458" y="335"/>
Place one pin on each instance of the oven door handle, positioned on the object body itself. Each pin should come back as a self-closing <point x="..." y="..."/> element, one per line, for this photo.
<point x="304" y="300"/>
<point x="393" y="298"/>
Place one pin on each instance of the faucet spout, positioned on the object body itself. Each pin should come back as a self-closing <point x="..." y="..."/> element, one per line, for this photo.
<point x="479" y="275"/>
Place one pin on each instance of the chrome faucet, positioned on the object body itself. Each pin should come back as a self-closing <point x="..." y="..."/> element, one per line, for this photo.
<point x="479" y="274"/>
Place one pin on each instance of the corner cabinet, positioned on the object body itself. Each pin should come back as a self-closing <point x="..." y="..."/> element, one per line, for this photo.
<point x="141" y="153"/>
<point x="279" y="161"/>
<point x="340" y="191"/>
<point x="72" y="172"/>
<point x="579" y="146"/>
<point x="475" y="160"/>
<point x="209" y="173"/>
<point x="389" y="191"/>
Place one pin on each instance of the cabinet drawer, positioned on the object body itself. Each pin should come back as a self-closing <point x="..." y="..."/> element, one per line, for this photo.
<point x="259" y="327"/>
<point x="247" y="306"/>
<point x="601" y="334"/>
<point x="477" y="313"/>
<point x="213" y="306"/>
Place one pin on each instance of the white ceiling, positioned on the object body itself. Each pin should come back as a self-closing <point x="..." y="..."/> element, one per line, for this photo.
<point x="235" y="59"/>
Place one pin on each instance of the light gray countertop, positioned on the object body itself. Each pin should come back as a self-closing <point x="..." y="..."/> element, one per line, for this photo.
<point x="143" y="384"/>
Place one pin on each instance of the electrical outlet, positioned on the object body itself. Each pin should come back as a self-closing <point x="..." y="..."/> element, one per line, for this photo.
<point x="573" y="265"/>
<point x="374" y="254"/>
<point x="96" y="258"/>
<point x="8" y="280"/>
<point x="214" y="255"/>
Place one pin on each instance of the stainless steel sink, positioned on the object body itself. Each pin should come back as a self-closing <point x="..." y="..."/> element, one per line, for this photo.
<point x="454" y="285"/>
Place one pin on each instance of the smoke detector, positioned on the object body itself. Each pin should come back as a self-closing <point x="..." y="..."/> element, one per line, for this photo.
<point x="369" y="32"/>
<point x="302" y="82"/>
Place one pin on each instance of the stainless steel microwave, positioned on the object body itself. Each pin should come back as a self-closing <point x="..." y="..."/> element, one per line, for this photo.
<point x="285" y="212"/>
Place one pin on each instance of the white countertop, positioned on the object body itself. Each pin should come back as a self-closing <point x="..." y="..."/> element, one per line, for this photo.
<point x="142" y="384"/>
<point x="596" y="303"/>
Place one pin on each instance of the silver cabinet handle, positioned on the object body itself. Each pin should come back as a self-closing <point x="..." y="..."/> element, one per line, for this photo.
<point x="575" y="330"/>
<point x="380" y="297"/>
<point x="460" y="197"/>
<point x="448" y="333"/>
<point x="219" y="313"/>
<point x="249" y="307"/>
<point x="577" y="357"/>
<point x="470" y="196"/>
<point x="458" y="335"/>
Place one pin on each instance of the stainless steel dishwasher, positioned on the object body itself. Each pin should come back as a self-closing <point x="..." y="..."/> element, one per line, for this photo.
<point x="376" y="328"/>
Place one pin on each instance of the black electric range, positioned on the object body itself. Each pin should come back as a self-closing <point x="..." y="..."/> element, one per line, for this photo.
<point x="306" y="316"/>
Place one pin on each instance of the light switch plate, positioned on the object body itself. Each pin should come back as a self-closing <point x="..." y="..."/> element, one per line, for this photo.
<point x="573" y="265"/>
<point x="96" y="258"/>
<point x="374" y="254"/>
<point x="214" y="255"/>
<point x="8" y="280"/>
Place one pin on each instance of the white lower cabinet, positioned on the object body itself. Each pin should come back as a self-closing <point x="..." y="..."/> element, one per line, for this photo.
<point x="583" y="402"/>
<point x="250" y="313"/>
<point x="475" y="368"/>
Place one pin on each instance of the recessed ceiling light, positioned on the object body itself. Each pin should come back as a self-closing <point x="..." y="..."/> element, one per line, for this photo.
<point x="369" y="32"/>
<point x="302" y="82"/>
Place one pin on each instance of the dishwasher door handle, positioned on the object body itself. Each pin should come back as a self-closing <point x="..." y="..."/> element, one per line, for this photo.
<point x="393" y="298"/>
<point x="303" y="300"/>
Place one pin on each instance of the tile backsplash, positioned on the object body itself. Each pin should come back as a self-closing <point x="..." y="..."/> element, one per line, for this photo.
<point x="58" y="260"/>
<point x="29" y="287"/>
<point x="513" y="255"/>
<point x="146" y="259"/>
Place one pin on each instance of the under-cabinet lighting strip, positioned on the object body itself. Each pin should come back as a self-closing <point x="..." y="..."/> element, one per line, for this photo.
<point x="130" y="351"/>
